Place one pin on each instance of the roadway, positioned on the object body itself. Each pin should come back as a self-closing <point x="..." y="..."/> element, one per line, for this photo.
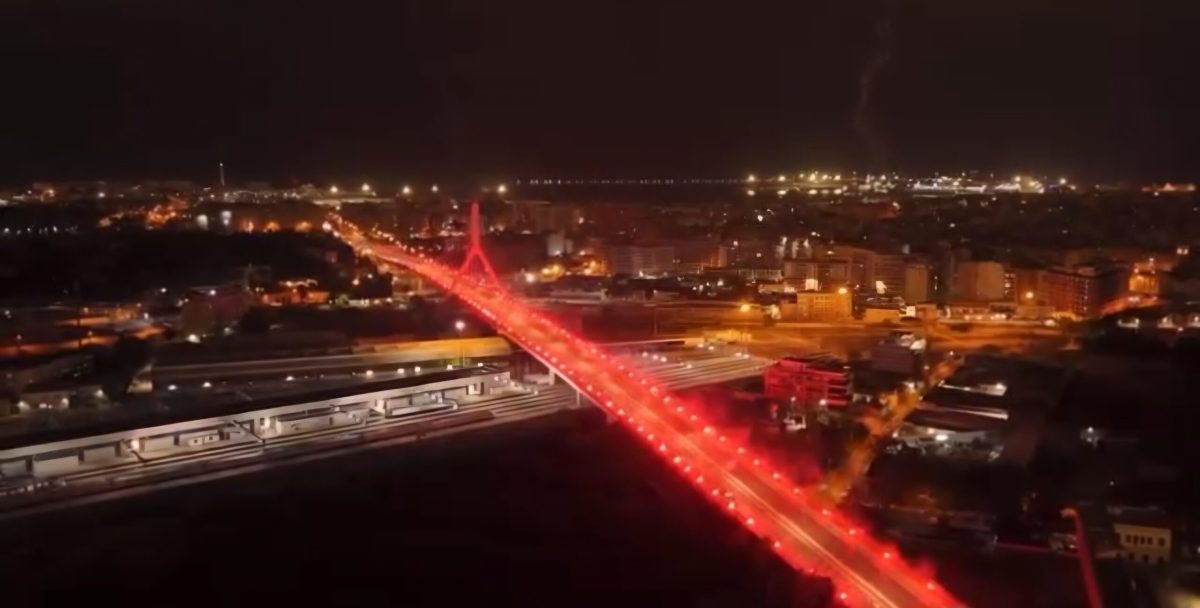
<point x="390" y="357"/>
<point x="801" y="529"/>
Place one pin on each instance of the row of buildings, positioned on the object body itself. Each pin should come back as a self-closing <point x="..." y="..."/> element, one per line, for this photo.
<point x="1079" y="290"/>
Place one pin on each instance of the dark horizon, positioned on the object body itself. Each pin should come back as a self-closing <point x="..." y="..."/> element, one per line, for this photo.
<point x="479" y="91"/>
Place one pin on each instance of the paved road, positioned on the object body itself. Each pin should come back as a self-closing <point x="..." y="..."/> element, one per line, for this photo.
<point x="398" y="355"/>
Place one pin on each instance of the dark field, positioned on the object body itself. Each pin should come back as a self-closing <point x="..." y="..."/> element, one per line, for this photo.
<point x="566" y="512"/>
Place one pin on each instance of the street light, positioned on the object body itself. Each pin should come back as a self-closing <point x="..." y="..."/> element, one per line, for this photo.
<point x="407" y="190"/>
<point x="501" y="189"/>
<point x="459" y="326"/>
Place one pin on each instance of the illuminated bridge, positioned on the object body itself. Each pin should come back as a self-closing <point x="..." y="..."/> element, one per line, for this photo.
<point x="804" y="531"/>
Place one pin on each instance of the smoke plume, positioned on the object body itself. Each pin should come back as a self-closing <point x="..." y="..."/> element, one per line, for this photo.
<point x="863" y="123"/>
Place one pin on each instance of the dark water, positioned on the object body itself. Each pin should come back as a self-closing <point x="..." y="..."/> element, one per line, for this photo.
<point x="566" y="512"/>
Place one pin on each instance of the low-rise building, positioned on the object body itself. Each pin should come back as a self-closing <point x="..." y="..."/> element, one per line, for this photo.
<point x="1143" y="534"/>
<point x="640" y="260"/>
<point x="916" y="283"/>
<point x="983" y="281"/>
<point x="817" y="380"/>
<point x="903" y="352"/>
<point x="820" y="307"/>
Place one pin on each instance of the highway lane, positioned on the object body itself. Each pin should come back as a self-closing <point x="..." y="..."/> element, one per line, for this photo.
<point x="399" y="355"/>
<point x="856" y="564"/>
<point x="835" y="551"/>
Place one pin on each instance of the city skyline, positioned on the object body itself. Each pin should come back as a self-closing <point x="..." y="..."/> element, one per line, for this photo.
<point x="483" y="303"/>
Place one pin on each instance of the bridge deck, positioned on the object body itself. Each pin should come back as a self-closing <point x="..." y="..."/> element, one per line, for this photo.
<point x="805" y="532"/>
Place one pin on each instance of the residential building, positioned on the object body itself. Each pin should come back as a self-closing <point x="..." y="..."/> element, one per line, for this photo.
<point x="699" y="253"/>
<point x="890" y="274"/>
<point x="916" y="283"/>
<point x="640" y="260"/>
<point x="861" y="265"/>
<point x="1082" y="291"/>
<point x="821" y="306"/>
<point x="759" y="274"/>
<point x="979" y="281"/>
<point x="1144" y="534"/>
<point x="827" y="272"/>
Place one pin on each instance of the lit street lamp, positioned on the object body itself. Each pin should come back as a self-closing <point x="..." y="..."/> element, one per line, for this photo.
<point x="459" y="326"/>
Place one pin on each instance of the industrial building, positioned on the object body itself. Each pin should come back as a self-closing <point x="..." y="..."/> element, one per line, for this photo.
<point x="61" y="452"/>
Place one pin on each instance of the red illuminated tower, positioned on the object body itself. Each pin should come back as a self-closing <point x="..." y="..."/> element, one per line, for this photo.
<point x="475" y="252"/>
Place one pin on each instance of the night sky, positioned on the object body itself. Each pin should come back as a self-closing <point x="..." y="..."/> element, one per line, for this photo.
<point x="482" y="89"/>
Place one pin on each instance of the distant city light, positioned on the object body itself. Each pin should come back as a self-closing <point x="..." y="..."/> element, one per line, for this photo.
<point x="751" y="179"/>
<point x="333" y="189"/>
<point x="501" y="189"/>
<point x="366" y="188"/>
<point x="434" y="189"/>
<point x="406" y="190"/>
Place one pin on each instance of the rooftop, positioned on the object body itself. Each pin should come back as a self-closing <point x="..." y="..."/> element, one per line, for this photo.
<point x="126" y="418"/>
